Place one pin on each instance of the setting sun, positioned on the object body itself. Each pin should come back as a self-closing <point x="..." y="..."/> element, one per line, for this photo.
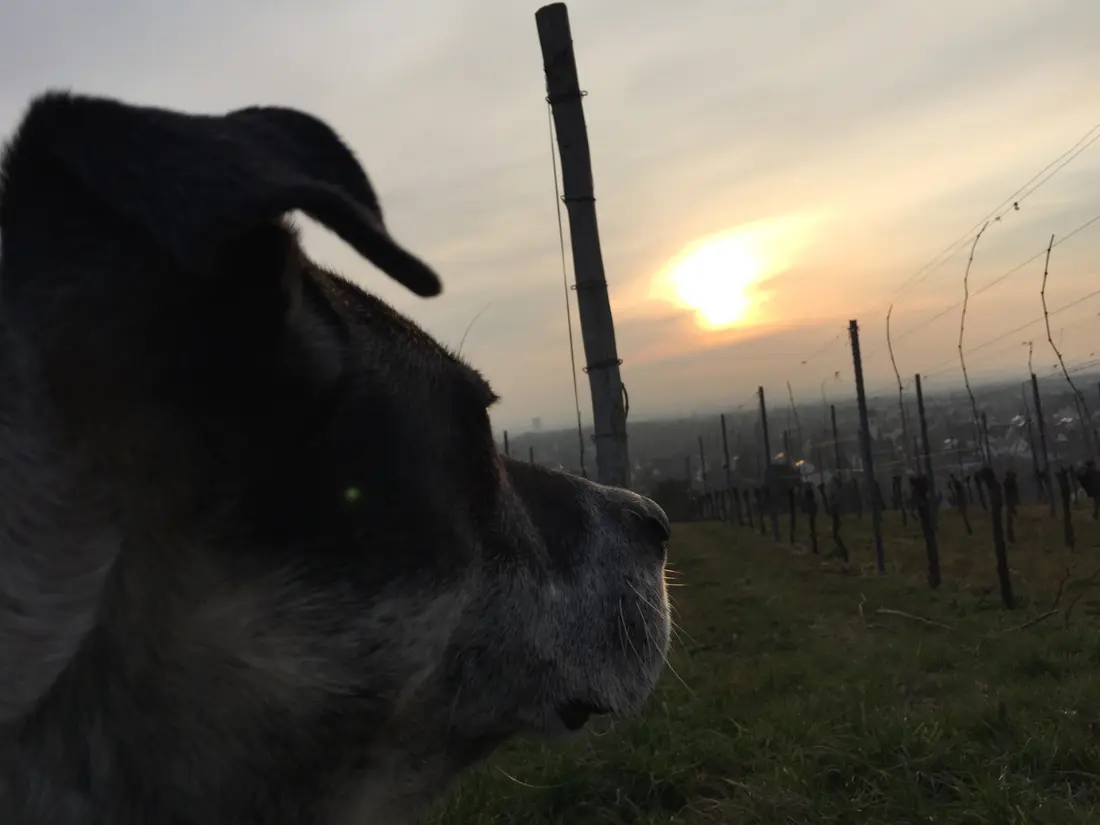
<point x="721" y="279"/>
<point x="712" y="277"/>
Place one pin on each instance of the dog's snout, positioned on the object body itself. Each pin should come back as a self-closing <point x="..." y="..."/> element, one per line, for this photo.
<point x="652" y="516"/>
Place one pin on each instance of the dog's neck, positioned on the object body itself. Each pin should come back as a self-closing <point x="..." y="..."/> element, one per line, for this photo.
<point x="67" y="696"/>
<point x="57" y="544"/>
<point x="74" y="761"/>
<point x="67" y="766"/>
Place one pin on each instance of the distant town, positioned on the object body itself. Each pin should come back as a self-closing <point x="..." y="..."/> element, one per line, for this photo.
<point x="691" y="448"/>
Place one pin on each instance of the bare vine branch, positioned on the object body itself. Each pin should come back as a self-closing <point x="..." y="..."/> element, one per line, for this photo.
<point x="962" y="332"/>
<point x="901" y="393"/>
<point x="1078" y="397"/>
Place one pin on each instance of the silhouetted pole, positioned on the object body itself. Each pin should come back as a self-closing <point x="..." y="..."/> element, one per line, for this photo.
<point x="836" y="440"/>
<point x="764" y="428"/>
<point x="726" y="454"/>
<point x="865" y="443"/>
<point x="703" y="465"/>
<point x="507" y="449"/>
<point x="926" y="446"/>
<point x="996" y="507"/>
<point x="985" y="440"/>
<point x="1042" y="424"/>
<point x="593" y="305"/>
<point x="1031" y="445"/>
<point x="766" y="478"/>
<point x="531" y="454"/>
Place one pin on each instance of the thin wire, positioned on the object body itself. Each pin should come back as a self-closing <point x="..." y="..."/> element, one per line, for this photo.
<point x="1088" y="139"/>
<point x="1015" y="330"/>
<point x="565" y="286"/>
<point x="1001" y="209"/>
<point x="990" y="284"/>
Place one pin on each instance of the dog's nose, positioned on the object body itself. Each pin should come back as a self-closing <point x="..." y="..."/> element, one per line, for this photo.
<point x="651" y="514"/>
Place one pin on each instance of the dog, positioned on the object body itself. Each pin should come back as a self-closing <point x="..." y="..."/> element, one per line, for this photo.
<point x="260" y="558"/>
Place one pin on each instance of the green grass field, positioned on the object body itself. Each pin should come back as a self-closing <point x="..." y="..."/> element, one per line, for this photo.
<point x="793" y="698"/>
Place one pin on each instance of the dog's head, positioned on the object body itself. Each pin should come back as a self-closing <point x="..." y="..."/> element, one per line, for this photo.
<point x="260" y="559"/>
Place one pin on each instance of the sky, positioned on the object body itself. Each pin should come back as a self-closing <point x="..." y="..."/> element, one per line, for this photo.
<point x="820" y="155"/>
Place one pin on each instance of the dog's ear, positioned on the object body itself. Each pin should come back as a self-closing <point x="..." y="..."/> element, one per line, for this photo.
<point x="194" y="182"/>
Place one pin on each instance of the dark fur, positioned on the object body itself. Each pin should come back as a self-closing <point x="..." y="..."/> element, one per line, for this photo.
<point x="260" y="560"/>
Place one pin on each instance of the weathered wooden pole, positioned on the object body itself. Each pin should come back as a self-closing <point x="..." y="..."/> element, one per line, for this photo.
<point x="726" y="454"/>
<point x="865" y="443"/>
<point x="984" y="420"/>
<point x="703" y="466"/>
<point x="764" y="428"/>
<point x="766" y="477"/>
<point x="1049" y="478"/>
<point x="1033" y="447"/>
<point x="836" y="441"/>
<point x="597" y="323"/>
<point x="926" y="448"/>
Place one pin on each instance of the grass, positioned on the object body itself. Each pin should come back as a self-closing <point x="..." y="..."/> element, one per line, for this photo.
<point x="795" y="701"/>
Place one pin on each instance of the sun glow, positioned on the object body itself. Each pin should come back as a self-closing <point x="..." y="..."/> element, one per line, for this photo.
<point x="720" y="278"/>
<point x="712" y="279"/>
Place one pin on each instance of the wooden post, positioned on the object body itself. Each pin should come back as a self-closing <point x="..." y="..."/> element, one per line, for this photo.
<point x="593" y="305"/>
<point x="768" y="494"/>
<point x="726" y="454"/>
<point x="1048" y="476"/>
<point x="837" y="493"/>
<point x="839" y="487"/>
<point x="924" y="514"/>
<point x="764" y="428"/>
<point x="985" y="440"/>
<point x="926" y="446"/>
<point x="868" y="459"/>
<point x="1036" y="472"/>
<point x="1000" y="549"/>
<point x="703" y="465"/>
<point x="836" y="441"/>
<point x="507" y="449"/>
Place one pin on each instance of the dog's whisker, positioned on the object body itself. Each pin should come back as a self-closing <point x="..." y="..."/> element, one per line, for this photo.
<point x="674" y="626"/>
<point x="627" y="635"/>
<point x="668" y="663"/>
